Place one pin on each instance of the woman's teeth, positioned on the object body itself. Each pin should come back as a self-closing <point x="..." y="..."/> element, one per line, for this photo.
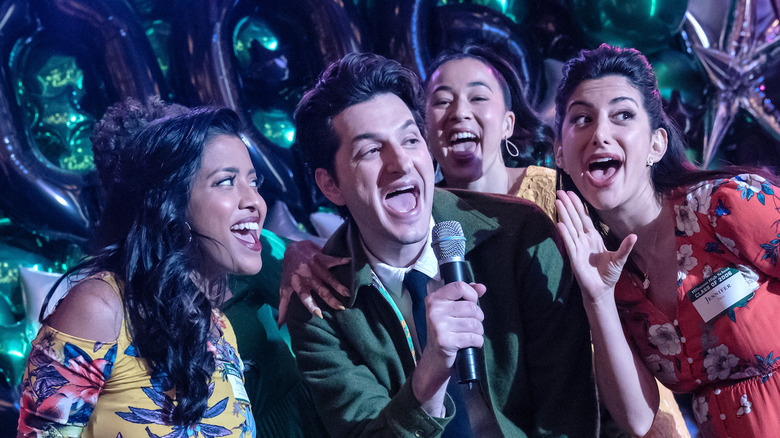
<point x="245" y="226"/>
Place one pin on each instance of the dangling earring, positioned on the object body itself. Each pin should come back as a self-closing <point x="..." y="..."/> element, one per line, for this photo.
<point x="650" y="161"/>
<point x="511" y="148"/>
<point x="189" y="232"/>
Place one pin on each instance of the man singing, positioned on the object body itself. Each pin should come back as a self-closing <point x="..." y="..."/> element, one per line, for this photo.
<point x="382" y="366"/>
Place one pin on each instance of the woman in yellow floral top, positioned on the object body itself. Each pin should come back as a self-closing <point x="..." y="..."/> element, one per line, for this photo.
<point x="137" y="347"/>
<point x="478" y="120"/>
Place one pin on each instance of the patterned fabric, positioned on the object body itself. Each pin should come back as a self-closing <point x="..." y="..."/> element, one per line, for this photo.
<point x="77" y="387"/>
<point x="538" y="186"/>
<point x="729" y="363"/>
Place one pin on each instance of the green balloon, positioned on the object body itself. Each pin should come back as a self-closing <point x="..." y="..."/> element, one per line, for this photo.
<point x="251" y="30"/>
<point x="643" y="24"/>
<point x="515" y="10"/>
<point x="159" y="34"/>
<point x="14" y="348"/>
<point x="275" y="124"/>
<point x="50" y="86"/>
<point x="676" y="70"/>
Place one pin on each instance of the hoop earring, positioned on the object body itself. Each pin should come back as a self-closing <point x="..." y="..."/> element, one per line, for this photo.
<point x="650" y="161"/>
<point x="189" y="232"/>
<point x="514" y="152"/>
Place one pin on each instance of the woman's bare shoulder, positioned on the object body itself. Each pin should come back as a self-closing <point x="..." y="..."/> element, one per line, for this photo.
<point x="92" y="309"/>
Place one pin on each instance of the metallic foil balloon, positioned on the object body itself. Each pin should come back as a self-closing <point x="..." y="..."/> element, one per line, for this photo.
<point x="553" y="76"/>
<point x="643" y="24"/>
<point x="514" y="10"/>
<point x="552" y="29"/>
<point x="12" y="259"/>
<point x="742" y="61"/>
<point x="14" y="348"/>
<point x="397" y="29"/>
<point x="677" y="70"/>
<point x="688" y="118"/>
<point x="63" y="63"/>
<point x="112" y="32"/>
<point x="455" y="25"/>
<point x="257" y="58"/>
<point x="33" y="190"/>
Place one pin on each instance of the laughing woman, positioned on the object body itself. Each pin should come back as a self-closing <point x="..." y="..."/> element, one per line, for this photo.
<point x="689" y="271"/>
<point x="137" y="347"/>
<point x="479" y="121"/>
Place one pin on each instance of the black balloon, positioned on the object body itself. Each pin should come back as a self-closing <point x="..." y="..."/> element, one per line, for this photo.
<point x="398" y="29"/>
<point x="455" y="25"/>
<point x="552" y="29"/>
<point x="205" y="71"/>
<point x="106" y="39"/>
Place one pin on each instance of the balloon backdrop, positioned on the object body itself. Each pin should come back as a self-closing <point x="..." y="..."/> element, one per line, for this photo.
<point x="643" y="24"/>
<point x="65" y="61"/>
<point x="742" y="61"/>
<point x="257" y="58"/>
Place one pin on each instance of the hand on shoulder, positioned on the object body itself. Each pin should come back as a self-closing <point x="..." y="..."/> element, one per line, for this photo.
<point x="92" y="310"/>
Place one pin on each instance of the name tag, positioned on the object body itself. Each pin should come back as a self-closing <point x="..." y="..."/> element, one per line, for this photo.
<point x="721" y="292"/>
<point x="236" y="382"/>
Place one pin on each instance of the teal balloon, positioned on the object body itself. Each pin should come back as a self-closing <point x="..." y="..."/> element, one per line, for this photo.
<point x="676" y="70"/>
<point x="14" y="348"/>
<point x="643" y="24"/>
<point x="515" y="10"/>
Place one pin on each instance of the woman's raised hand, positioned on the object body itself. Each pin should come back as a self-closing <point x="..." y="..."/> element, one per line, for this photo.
<point x="305" y="269"/>
<point x="597" y="269"/>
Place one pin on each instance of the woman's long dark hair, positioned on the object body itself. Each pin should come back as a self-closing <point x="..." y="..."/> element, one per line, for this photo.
<point x="673" y="170"/>
<point x="531" y="135"/>
<point x="144" y="240"/>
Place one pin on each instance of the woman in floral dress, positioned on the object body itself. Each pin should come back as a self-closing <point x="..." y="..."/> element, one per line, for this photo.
<point x="686" y="288"/>
<point x="137" y="347"/>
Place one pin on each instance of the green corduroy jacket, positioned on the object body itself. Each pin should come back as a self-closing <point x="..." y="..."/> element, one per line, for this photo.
<point x="537" y="350"/>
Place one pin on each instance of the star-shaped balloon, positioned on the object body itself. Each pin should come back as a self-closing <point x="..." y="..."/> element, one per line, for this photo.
<point x="742" y="62"/>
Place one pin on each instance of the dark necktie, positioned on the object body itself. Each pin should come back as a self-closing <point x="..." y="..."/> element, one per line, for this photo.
<point x="417" y="284"/>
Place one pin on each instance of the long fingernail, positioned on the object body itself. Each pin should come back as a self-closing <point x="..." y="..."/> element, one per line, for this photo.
<point x="318" y="312"/>
<point x="342" y="308"/>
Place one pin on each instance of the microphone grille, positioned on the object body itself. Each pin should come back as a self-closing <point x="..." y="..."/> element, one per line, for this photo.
<point x="448" y="241"/>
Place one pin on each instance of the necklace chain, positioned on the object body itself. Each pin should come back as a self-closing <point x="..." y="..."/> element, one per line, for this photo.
<point x="646" y="281"/>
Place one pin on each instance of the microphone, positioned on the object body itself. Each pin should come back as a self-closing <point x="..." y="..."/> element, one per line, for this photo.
<point x="449" y="245"/>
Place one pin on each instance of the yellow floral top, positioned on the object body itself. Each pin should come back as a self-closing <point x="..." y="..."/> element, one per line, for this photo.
<point x="538" y="186"/>
<point x="78" y="387"/>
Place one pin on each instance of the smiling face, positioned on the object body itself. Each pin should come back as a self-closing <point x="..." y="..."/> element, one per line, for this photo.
<point x="384" y="176"/>
<point x="606" y="140"/>
<point x="226" y="212"/>
<point x="467" y="120"/>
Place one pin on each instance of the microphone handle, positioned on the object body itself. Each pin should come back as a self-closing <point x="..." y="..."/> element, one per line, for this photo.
<point x="467" y="359"/>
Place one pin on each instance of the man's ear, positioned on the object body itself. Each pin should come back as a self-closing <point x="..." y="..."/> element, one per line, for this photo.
<point x="328" y="186"/>
<point x="659" y="145"/>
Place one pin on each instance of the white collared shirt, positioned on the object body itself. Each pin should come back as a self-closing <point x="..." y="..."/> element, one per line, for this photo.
<point x="483" y="422"/>
<point x="392" y="279"/>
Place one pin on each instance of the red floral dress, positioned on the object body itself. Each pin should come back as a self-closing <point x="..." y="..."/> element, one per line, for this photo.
<point x="722" y="350"/>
